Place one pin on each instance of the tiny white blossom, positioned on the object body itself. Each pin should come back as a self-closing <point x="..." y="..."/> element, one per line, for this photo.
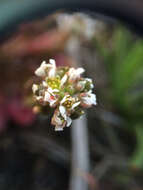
<point x="45" y="68"/>
<point x="63" y="113"/>
<point x="58" y="121"/>
<point x="74" y="105"/>
<point x="91" y="82"/>
<point x="81" y="85"/>
<point x="50" y="97"/>
<point x="88" y="99"/>
<point x="74" y="74"/>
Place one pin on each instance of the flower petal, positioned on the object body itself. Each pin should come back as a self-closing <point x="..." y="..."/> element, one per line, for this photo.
<point x="41" y="70"/>
<point x="55" y="90"/>
<point x="50" y="90"/>
<point x="75" y="105"/>
<point x="52" y="72"/>
<point x="45" y="84"/>
<point x="63" y="112"/>
<point x="88" y="99"/>
<point x="64" y="99"/>
<point x="80" y="70"/>
<point x="69" y="121"/>
<point x="64" y="79"/>
<point x="34" y="88"/>
<point x="52" y="61"/>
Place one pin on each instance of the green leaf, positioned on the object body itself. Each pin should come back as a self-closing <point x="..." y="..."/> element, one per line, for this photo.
<point x="129" y="68"/>
<point x="137" y="158"/>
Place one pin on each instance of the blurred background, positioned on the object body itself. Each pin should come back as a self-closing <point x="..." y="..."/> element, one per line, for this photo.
<point x="33" y="155"/>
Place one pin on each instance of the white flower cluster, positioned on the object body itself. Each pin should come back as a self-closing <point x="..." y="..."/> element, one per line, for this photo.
<point x="65" y="91"/>
<point x="79" y="23"/>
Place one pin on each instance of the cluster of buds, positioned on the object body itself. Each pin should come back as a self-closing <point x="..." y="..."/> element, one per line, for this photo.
<point x="65" y="91"/>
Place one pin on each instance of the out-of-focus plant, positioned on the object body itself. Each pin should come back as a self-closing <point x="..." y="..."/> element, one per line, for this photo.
<point x="123" y="58"/>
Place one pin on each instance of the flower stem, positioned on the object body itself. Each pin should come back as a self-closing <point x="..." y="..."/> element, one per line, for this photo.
<point x="80" y="154"/>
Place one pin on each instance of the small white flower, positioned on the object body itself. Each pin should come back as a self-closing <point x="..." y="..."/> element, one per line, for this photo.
<point x="47" y="69"/>
<point x="34" y="88"/>
<point x="91" y="82"/>
<point x="50" y="97"/>
<point x="63" y="113"/>
<point x="75" y="103"/>
<point x="52" y="70"/>
<point x="74" y="74"/>
<point x="58" y="121"/>
<point x="88" y="99"/>
<point x="81" y="85"/>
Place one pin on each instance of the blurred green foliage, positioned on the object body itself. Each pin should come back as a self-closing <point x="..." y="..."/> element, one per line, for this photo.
<point x="123" y="58"/>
